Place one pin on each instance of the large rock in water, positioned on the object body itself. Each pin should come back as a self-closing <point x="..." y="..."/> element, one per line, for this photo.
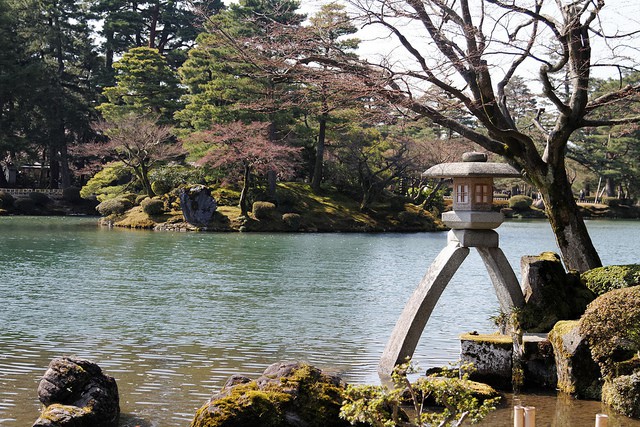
<point x="286" y="395"/>
<point x="198" y="206"/>
<point x="578" y="374"/>
<point x="76" y="393"/>
<point x="550" y="293"/>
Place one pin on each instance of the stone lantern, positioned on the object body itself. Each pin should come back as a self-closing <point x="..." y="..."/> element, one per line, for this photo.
<point x="472" y="224"/>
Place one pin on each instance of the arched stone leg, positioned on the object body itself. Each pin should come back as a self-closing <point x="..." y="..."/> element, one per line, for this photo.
<point x="408" y="329"/>
<point x="503" y="278"/>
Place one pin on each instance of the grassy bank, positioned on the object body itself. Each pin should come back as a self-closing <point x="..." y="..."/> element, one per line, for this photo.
<point x="295" y="208"/>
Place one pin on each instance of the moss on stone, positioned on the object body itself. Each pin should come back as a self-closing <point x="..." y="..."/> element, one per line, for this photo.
<point x="623" y="394"/>
<point x="604" y="279"/>
<point x="578" y="374"/>
<point x="286" y="395"/>
<point x="488" y="338"/>
<point x="612" y="326"/>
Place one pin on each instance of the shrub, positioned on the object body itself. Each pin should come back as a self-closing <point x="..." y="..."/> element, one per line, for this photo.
<point x="408" y="218"/>
<point x="604" y="279"/>
<point x="71" y="195"/>
<point x="521" y="202"/>
<point x="611" y="324"/>
<point x="25" y="206"/>
<point x="380" y="406"/>
<point x="152" y="206"/>
<point x="6" y="200"/>
<point x="117" y="206"/>
<point x="160" y="187"/>
<point x="166" y="178"/>
<point x="615" y="202"/>
<point x="40" y="199"/>
<point x="110" y="182"/>
<point x="140" y="198"/>
<point x="293" y="220"/>
<point x="263" y="210"/>
<point x="226" y="196"/>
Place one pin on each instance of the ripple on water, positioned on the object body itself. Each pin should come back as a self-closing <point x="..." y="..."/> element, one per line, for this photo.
<point x="172" y="315"/>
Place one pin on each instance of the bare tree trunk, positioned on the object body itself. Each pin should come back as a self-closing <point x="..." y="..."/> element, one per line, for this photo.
<point x="572" y="237"/>
<point x="244" y="209"/>
<point x="318" y="166"/>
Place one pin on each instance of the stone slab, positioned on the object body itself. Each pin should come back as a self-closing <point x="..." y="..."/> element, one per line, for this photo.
<point x="492" y="356"/>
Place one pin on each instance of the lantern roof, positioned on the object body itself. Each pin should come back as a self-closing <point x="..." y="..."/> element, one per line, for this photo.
<point x="473" y="165"/>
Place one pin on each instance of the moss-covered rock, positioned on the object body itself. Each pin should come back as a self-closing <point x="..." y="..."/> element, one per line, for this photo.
<point x="623" y="394"/>
<point x="76" y="393"/>
<point x="612" y="326"/>
<point x="578" y="374"/>
<point x="604" y="279"/>
<point x="286" y="395"/>
<point x="551" y="294"/>
<point x="492" y="359"/>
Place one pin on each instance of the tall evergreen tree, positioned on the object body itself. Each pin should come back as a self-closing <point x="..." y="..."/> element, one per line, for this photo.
<point x="224" y="83"/>
<point x="170" y="26"/>
<point x="145" y="85"/>
<point x="56" y="39"/>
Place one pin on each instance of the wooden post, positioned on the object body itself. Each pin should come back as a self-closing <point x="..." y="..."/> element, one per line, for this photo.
<point x="529" y="416"/>
<point x="602" y="420"/>
<point x="518" y="416"/>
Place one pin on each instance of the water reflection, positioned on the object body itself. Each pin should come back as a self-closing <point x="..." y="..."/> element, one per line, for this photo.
<point x="557" y="411"/>
<point x="172" y="315"/>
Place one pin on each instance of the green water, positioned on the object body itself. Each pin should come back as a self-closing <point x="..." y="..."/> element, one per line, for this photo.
<point x="172" y="315"/>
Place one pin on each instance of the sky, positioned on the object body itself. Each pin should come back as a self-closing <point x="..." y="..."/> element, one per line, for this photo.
<point x="623" y="15"/>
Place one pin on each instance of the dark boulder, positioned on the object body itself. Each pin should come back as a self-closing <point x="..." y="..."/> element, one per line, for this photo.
<point x="286" y="395"/>
<point x="198" y="206"/>
<point x="75" y="392"/>
<point x="551" y="294"/>
<point x="578" y="374"/>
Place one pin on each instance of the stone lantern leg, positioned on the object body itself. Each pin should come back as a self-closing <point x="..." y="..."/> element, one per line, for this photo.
<point x="472" y="223"/>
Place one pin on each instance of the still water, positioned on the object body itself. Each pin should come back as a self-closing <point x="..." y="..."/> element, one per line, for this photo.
<point x="172" y="315"/>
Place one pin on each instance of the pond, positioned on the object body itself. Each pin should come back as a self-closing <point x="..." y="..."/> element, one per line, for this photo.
<point x="172" y="315"/>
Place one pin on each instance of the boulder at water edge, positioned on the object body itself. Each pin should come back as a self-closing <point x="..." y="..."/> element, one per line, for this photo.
<point x="286" y="395"/>
<point x="551" y="294"/>
<point x="578" y="374"/>
<point x="75" y="392"/>
<point x="198" y="206"/>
